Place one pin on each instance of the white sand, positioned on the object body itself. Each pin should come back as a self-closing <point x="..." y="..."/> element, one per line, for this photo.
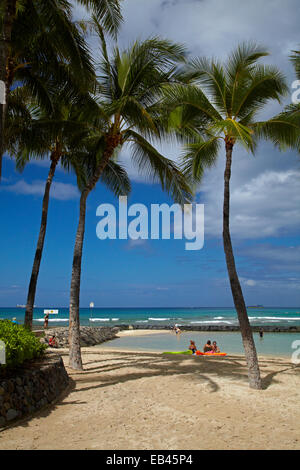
<point x="129" y="400"/>
<point x="143" y="332"/>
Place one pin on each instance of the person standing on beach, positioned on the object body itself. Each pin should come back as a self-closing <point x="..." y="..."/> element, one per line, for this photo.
<point x="261" y="333"/>
<point x="46" y="319"/>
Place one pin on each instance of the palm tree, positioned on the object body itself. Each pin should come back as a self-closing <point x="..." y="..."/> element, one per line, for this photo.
<point x="34" y="134"/>
<point x="130" y="87"/>
<point x="38" y="37"/>
<point x="52" y="62"/>
<point x="221" y="109"/>
<point x="86" y="163"/>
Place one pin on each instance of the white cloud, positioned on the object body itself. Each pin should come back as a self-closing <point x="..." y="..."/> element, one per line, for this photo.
<point x="268" y="205"/>
<point x="132" y="244"/>
<point x="214" y="27"/>
<point x="249" y="282"/>
<point x="273" y="260"/>
<point x="60" y="191"/>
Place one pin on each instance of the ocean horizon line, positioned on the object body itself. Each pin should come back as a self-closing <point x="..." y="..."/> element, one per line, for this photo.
<point x="149" y="307"/>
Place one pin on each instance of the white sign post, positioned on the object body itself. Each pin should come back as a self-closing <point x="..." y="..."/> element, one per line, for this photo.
<point x="2" y="353"/>
<point x="2" y="92"/>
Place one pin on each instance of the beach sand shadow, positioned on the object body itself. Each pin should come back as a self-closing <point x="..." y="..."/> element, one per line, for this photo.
<point x="202" y="370"/>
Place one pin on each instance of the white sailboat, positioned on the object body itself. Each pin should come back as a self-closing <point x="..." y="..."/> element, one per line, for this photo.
<point x="92" y="305"/>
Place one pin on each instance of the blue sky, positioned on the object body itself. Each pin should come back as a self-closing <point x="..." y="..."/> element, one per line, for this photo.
<point x="122" y="273"/>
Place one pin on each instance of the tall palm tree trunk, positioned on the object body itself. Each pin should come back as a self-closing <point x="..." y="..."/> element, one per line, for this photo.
<point x="5" y="40"/>
<point x="75" y="361"/>
<point x="237" y="294"/>
<point x="39" y="247"/>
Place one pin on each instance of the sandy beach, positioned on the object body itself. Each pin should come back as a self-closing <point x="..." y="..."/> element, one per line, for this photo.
<point x="128" y="400"/>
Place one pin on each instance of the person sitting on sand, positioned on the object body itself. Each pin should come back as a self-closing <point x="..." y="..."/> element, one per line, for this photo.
<point x="208" y="347"/>
<point x="216" y="349"/>
<point x="53" y="342"/>
<point x="193" y="347"/>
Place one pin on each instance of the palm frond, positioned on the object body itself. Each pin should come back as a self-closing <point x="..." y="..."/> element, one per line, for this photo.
<point x="211" y="77"/>
<point x="159" y="168"/>
<point x="295" y="58"/>
<point x="283" y="130"/>
<point x="107" y="12"/>
<point x="264" y="83"/>
<point x="116" y="179"/>
<point x="199" y="156"/>
<point x="192" y="99"/>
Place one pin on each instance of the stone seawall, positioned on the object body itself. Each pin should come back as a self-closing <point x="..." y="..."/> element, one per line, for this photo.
<point x="89" y="336"/>
<point x="32" y="387"/>
<point x="267" y="328"/>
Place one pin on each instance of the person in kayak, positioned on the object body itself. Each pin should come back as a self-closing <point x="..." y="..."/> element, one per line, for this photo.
<point x="208" y="347"/>
<point x="193" y="347"/>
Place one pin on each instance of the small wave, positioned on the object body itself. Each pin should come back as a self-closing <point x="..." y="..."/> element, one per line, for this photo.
<point x="141" y="321"/>
<point x="99" y="319"/>
<point x="115" y="319"/>
<point x="273" y="321"/>
<point x="208" y="322"/>
<point x="275" y="318"/>
<point x="52" y="319"/>
<point x="218" y="318"/>
<point x="159" y="319"/>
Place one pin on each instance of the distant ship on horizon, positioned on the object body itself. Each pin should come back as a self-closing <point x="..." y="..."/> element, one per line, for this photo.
<point x="255" y="306"/>
<point x="23" y="306"/>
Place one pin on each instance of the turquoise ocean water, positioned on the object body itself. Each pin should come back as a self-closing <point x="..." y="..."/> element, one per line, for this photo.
<point x="272" y="344"/>
<point x="279" y="344"/>
<point x="161" y="316"/>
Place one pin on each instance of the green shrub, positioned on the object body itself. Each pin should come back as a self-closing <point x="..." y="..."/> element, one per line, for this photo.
<point x="20" y="344"/>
